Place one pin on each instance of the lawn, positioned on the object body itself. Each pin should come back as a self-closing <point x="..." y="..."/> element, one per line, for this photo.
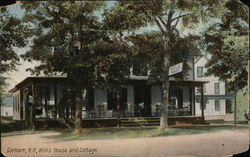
<point x="137" y="132"/>
<point x="22" y="132"/>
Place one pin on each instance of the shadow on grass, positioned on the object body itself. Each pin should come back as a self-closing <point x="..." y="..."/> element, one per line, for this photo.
<point x="137" y="132"/>
<point x="221" y="121"/>
<point x="24" y="132"/>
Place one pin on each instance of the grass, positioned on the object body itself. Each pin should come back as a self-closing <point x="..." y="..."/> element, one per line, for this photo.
<point x="137" y="132"/>
<point x="23" y="132"/>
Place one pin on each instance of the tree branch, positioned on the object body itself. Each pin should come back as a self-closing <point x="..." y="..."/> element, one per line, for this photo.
<point x="163" y="22"/>
<point x="177" y="18"/>
<point x="159" y="25"/>
<point x="170" y="15"/>
<point x="177" y="21"/>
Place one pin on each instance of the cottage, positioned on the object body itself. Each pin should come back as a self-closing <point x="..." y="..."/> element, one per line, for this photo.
<point x="218" y="101"/>
<point x="50" y="95"/>
<point x="137" y="99"/>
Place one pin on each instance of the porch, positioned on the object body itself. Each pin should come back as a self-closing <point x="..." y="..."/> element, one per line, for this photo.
<point x="42" y="123"/>
<point x="49" y="98"/>
<point x="101" y="113"/>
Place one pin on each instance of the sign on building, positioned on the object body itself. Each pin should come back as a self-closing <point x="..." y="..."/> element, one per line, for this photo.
<point x="175" y="69"/>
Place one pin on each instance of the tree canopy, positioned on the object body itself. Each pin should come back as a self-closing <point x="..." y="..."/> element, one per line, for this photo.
<point x="228" y="43"/>
<point x="127" y="16"/>
<point x="11" y="38"/>
<point x="72" y="42"/>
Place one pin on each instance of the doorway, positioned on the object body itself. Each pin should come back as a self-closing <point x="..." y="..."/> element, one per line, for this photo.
<point x="142" y="99"/>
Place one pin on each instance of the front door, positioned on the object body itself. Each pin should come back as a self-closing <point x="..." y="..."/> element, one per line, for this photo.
<point x="142" y="99"/>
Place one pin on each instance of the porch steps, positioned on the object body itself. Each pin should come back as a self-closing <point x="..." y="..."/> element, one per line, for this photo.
<point x="133" y="122"/>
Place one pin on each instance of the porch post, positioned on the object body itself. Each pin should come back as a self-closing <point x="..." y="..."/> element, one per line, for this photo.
<point x="191" y="99"/>
<point x="21" y="104"/>
<point x="27" y="107"/>
<point x="202" y="102"/>
<point x="33" y="107"/>
<point x="55" y="99"/>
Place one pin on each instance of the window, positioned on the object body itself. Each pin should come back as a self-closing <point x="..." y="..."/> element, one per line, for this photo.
<point x="229" y="106"/>
<point x="216" y="88"/>
<point x="217" y="105"/>
<point x="199" y="72"/>
<point x="139" y="68"/>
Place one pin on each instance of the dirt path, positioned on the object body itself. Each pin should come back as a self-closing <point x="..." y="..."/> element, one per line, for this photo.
<point x="221" y="143"/>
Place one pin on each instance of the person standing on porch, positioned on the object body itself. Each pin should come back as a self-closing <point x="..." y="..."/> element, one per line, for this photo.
<point x="245" y="117"/>
<point x="141" y="105"/>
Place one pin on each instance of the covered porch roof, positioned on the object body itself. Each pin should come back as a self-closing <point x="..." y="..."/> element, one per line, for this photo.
<point x="177" y="83"/>
<point x="57" y="79"/>
<point x="29" y="80"/>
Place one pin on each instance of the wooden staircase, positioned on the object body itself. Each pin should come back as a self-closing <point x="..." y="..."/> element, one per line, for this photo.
<point x="140" y="121"/>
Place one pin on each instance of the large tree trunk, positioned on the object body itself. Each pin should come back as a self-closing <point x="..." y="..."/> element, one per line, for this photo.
<point x="78" y="112"/>
<point x="27" y="109"/>
<point x="118" y="107"/>
<point x="165" y="82"/>
<point x="67" y="110"/>
<point x="235" y="107"/>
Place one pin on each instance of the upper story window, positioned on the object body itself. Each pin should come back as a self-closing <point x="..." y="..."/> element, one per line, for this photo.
<point x="199" y="72"/>
<point x="216" y="88"/>
<point x="139" y="68"/>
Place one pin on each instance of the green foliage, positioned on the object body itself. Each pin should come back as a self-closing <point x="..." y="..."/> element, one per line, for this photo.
<point x="242" y="104"/>
<point x="68" y="24"/>
<point x="11" y="36"/>
<point x="149" y="47"/>
<point x="228" y="44"/>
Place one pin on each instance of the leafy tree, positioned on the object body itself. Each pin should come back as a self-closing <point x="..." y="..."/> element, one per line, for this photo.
<point x="228" y="43"/>
<point x="127" y="16"/>
<point x="11" y="37"/>
<point x="149" y="48"/>
<point x="97" y="60"/>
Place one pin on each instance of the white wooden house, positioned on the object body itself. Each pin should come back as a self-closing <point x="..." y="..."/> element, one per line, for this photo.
<point x="137" y="99"/>
<point x="218" y="103"/>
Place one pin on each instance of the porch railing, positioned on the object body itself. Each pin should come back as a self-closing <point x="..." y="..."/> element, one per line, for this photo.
<point x="127" y="114"/>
